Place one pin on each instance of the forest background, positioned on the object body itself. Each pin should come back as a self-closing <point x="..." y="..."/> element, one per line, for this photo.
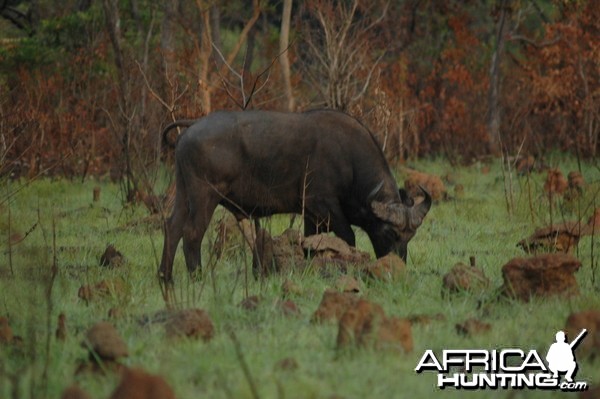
<point x="86" y="86"/>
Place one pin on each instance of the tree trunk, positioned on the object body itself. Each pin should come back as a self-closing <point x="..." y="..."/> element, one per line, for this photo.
<point x="284" y="60"/>
<point x="494" y="91"/>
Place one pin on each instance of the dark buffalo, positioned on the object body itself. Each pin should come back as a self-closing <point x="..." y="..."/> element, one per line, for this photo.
<point x="323" y="164"/>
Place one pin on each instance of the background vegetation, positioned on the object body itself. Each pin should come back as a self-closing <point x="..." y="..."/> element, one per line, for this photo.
<point x="86" y="86"/>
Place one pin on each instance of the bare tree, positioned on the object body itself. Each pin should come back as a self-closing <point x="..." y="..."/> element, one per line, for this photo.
<point x="284" y="60"/>
<point x="341" y="53"/>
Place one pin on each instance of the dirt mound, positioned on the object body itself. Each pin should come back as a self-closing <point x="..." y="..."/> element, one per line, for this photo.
<point x="191" y="323"/>
<point x="250" y="303"/>
<point x="555" y="184"/>
<point x="346" y="283"/>
<point x="111" y="257"/>
<point x="61" y="328"/>
<point x="289" y="308"/>
<point x="562" y="237"/>
<point x="576" y="181"/>
<point x="74" y="392"/>
<point x="104" y="341"/>
<point x="328" y="247"/>
<point x="333" y="305"/>
<point x="364" y="324"/>
<point x="473" y="327"/>
<point x="138" y="384"/>
<point x="543" y="275"/>
<point x="103" y="289"/>
<point x="432" y="183"/>
<point x="278" y="254"/>
<point x="6" y="333"/>
<point x="289" y="288"/>
<point x="463" y="278"/>
<point x="590" y="320"/>
<point x="387" y="268"/>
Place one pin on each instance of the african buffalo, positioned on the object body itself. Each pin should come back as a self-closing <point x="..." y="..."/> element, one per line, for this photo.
<point x="323" y="164"/>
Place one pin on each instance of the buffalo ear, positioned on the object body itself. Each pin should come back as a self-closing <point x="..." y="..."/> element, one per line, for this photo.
<point x="388" y="213"/>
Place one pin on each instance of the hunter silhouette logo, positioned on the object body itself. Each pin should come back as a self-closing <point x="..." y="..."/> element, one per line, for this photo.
<point x="560" y="356"/>
<point x="506" y="368"/>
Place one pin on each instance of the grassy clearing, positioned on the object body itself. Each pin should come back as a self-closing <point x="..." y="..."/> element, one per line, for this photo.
<point x="476" y="225"/>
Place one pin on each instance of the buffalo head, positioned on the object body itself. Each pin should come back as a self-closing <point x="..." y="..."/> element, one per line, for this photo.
<point x="398" y="223"/>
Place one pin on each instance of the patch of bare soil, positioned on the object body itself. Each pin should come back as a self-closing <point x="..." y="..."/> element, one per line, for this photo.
<point x="138" y="384"/>
<point x="333" y="305"/>
<point x="473" y="327"/>
<point x="191" y="323"/>
<point x="543" y="275"/>
<point x="590" y="320"/>
<point x="464" y="278"/>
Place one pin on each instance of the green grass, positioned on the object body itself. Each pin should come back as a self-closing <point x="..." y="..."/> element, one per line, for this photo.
<point x="476" y="225"/>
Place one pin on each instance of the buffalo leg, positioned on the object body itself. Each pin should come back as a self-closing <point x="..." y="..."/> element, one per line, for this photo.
<point x="173" y="232"/>
<point x="202" y="205"/>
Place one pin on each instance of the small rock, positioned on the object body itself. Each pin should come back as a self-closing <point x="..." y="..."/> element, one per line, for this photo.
<point x="387" y="268"/>
<point x="473" y="327"/>
<point x="138" y="384"/>
<point x="463" y="278"/>
<point x="111" y="257"/>
<point x="191" y="323"/>
<point x="590" y="320"/>
<point x="543" y="275"/>
<point x="74" y="392"/>
<point x="333" y="305"/>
